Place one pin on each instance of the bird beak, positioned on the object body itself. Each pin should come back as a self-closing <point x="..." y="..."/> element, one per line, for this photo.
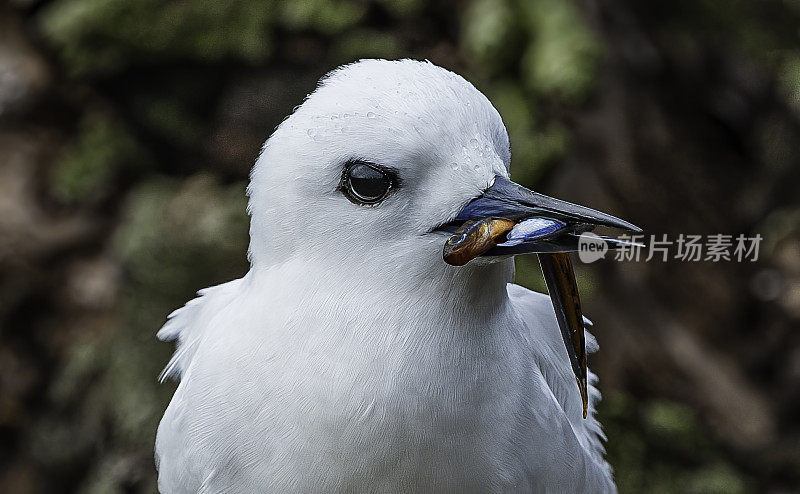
<point x="509" y="219"/>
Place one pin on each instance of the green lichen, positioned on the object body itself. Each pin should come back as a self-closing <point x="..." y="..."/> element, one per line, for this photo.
<point x="325" y="16"/>
<point x="367" y="43"/>
<point x="487" y="28"/>
<point x="170" y="119"/>
<point x="535" y="145"/>
<point x="175" y="238"/>
<point x="746" y="27"/>
<point x="403" y="8"/>
<point x="104" y="36"/>
<point x="562" y="57"/>
<point x="659" y="446"/>
<point x="102" y="148"/>
<point x="790" y="79"/>
<point x="519" y="117"/>
<point x="717" y="478"/>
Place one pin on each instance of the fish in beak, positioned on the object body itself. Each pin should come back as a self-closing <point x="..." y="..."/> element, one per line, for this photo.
<point x="508" y="219"/>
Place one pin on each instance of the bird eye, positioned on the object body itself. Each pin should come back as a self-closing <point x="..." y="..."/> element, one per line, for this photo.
<point x="364" y="183"/>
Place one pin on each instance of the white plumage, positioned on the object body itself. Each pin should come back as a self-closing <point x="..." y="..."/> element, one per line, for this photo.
<point x="351" y="358"/>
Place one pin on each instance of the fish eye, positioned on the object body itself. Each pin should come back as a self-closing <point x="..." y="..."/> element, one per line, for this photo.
<point x="365" y="183"/>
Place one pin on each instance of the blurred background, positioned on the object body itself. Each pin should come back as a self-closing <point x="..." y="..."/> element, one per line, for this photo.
<point x="127" y="129"/>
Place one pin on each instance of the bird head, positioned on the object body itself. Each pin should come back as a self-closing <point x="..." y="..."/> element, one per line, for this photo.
<point x="400" y="170"/>
<point x="387" y="159"/>
<point x="373" y="163"/>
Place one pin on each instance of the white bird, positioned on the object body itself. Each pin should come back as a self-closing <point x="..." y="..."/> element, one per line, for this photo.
<point x="353" y="358"/>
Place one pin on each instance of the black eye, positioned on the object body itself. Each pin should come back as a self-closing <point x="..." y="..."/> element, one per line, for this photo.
<point x="364" y="183"/>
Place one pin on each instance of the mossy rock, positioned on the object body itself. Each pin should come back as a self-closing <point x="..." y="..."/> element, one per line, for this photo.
<point x="175" y="238"/>
<point x="563" y="55"/>
<point x="659" y="446"/>
<point x="102" y="149"/>
<point x="106" y="36"/>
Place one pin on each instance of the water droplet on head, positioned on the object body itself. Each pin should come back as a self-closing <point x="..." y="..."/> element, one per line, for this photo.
<point x="455" y="166"/>
<point x="370" y="114"/>
<point x="473" y="142"/>
<point x="313" y="134"/>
